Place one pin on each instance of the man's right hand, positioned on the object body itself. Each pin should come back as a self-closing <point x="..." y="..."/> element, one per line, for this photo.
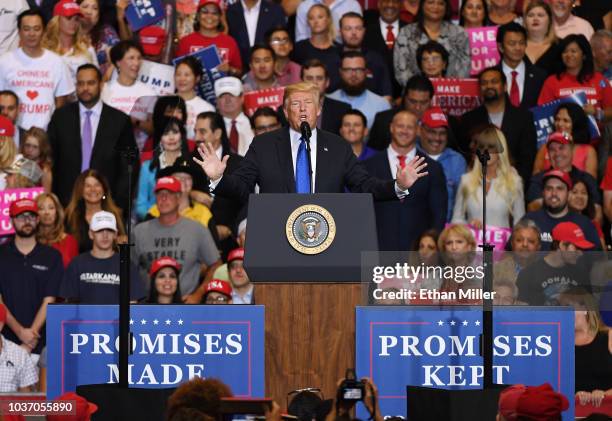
<point x="210" y="162"/>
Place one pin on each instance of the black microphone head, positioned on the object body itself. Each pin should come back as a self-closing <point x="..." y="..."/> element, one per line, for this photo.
<point x="305" y="129"/>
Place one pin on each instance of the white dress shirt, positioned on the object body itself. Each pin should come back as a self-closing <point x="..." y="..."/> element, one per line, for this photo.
<point x="96" y="111"/>
<point x="245" y="132"/>
<point x="251" y="16"/>
<point x="383" y="28"/>
<point x="520" y="77"/>
<point x="394" y="160"/>
<point x="295" y="145"/>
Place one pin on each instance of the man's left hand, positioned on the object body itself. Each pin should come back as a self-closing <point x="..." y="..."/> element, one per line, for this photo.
<point x="414" y="170"/>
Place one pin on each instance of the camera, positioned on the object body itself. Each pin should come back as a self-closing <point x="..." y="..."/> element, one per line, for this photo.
<point x="351" y="389"/>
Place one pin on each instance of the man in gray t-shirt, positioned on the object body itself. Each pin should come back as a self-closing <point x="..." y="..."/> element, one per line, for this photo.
<point x="187" y="241"/>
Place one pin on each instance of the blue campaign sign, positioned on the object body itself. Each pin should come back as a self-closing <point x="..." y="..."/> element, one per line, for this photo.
<point x="544" y="117"/>
<point x="436" y="348"/>
<point x="171" y="344"/>
<point x="209" y="58"/>
<point x="142" y="13"/>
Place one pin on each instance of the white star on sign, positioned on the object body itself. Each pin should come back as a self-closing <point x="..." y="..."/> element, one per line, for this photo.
<point x="143" y="322"/>
<point x="477" y="322"/>
<point x="155" y="322"/>
<point x="131" y="321"/>
<point x="180" y="321"/>
<point x="440" y="322"/>
<point x="465" y="323"/>
<point x="168" y="321"/>
<point x="453" y="323"/>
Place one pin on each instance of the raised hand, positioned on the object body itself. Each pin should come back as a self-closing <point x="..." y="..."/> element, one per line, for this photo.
<point x="414" y="170"/>
<point x="210" y="162"/>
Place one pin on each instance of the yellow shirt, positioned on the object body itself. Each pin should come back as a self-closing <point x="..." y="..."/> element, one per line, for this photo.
<point x="197" y="211"/>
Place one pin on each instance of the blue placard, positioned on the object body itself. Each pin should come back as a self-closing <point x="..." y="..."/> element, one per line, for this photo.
<point x="142" y="13"/>
<point x="210" y="59"/>
<point x="440" y="348"/>
<point x="172" y="343"/>
<point x="544" y="117"/>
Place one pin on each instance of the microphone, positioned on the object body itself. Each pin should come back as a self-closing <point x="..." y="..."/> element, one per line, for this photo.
<point x="305" y="129"/>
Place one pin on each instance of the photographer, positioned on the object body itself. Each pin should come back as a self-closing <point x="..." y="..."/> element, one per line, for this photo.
<point x="350" y="391"/>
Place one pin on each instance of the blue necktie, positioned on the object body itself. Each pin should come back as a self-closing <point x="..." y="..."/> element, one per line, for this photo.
<point x="302" y="175"/>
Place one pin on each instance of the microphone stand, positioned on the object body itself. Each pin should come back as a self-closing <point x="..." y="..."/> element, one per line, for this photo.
<point x="306" y="133"/>
<point x="486" y="339"/>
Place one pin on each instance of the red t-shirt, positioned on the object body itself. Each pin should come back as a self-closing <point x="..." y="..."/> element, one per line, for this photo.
<point x="597" y="89"/>
<point x="606" y="183"/>
<point x="226" y="45"/>
<point x="68" y="248"/>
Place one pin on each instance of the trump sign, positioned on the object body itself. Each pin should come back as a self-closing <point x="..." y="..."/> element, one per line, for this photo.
<point x="170" y="345"/>
<point x="436" y="348"/>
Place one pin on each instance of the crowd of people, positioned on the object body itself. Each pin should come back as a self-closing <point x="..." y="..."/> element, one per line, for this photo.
<point x="75" y="111"/>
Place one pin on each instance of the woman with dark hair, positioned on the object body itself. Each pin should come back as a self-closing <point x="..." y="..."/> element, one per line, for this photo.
<point x="571" y="119"/>
<point x="502" y="12"/>
<point x="432" y="24"/>
<point x="432" y="59"/>
<point x="165" y="286"/>
<point x="580" y="201"/>
<point x="91" y="194"/>
<point x="165" y="106"/>
<point x="101" y="36"/>
<point x="474" y="14"/>
<point x="209" y="30"/>
<point x="171" y="140"/>
<point x="187" y="75"/>
<point x="576" y="74"/>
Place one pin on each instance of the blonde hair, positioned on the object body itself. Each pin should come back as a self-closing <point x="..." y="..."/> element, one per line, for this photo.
<point x="331" y="30"/>
<point x="57" y="231"/>
<point x="51" y="40"/>
<point x="306" y="87"/>
<point x="458" y="230"/>
<point x="508" y="178"/>
<point x="584" y="301"/>
<point x="43" y="145"/>
<point x="8" y="150"/>
<point x="527" y="7"/>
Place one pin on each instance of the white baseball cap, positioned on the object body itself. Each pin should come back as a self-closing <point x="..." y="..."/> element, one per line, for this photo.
<point x="103" y="221"/>
<point x="228" y="85"/>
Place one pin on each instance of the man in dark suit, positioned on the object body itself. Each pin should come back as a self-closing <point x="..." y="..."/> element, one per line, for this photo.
<point x="516" y="123"/>
<point x="399" y="223"/>
<point x="524" y="79"/>
<point x="382" y="28"/>
<point x="279" y="163"/>
<point x="248" y="27"/>
<point x="89" y="134"/>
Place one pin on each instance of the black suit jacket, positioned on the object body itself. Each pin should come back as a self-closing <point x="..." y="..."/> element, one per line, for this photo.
<point x="114" y="131"/>
<point x="270" y="15"/>
<point x="400" y="223"/>
<point x="534" y="79"/>
<point x="269" y="164"/>
<point x="519" y="130"/>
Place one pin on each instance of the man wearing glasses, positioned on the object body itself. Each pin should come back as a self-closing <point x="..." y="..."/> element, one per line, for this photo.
<point x="31" y="279"/>
<point x="353" y="91"/>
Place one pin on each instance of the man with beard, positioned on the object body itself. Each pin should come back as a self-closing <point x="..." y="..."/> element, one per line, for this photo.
<point x="557" y="185"/>
<point x="560" y="270"/>
<point x="516" y="123"/>
<point x="353" y="91"/>
<point x="31" y="277"/>
<point x="90" y="134"/>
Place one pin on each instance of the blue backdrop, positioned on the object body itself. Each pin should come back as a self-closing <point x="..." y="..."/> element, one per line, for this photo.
<point x="172" y="343"/>
<point x="397" y="347"/>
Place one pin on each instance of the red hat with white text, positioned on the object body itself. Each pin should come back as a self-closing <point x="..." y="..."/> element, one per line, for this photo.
<point x="164" y="262"/>
<point x="220" y="286"/>
<point x="236" y="254"/>
<point x="570" y="232"/>
<point x="21" y="206"/>
<point x="168" y="183"/>
<point x="152" y="39"/>
<point x="67" y="9"/>
<point x="434" y="117"/>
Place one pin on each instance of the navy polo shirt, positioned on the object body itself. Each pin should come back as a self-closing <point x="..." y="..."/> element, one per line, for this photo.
<point x="25" y="281"/>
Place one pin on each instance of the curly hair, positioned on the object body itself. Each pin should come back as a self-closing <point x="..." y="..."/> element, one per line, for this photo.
<point x="199" y="395"/>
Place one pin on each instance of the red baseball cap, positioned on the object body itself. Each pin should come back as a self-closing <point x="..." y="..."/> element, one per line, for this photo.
<point x="236" y="254"/>
<point x="205" y="2"/>
<point x="219" y="285"/>
<point x="434" y="117"/>
<point x="152" y="39"/>
<point x="164" y="262"/>
<point x="541" y="403"/>
<point x="508" y="401"/>
<point x="22" y="205"/>
<point x="7" y="128"/>
<point x="168" y="183"/>
<point x="83" y="408"/>
<point x="570" y="232"/>
<point x="66" y="8"/>
<point x="561" y="175"/>
<point x="559" y="137"/>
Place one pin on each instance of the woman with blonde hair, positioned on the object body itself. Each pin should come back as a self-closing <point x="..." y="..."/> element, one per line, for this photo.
<point x="91" y="194"/>
<point x="51" y="229"/>
<point x="541" y="40"/>
<point x="320" y="45"/>
<point x="504" y="188"/>
<point x="35" y="146"/>
<point x="8" y="155"/>
<point x="63" y="36"/>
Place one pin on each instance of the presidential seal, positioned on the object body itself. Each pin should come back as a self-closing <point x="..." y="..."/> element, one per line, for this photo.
<point x="310" y="229"/>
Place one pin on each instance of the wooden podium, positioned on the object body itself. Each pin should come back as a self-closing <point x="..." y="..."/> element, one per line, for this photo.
<point x="310" y="335"/>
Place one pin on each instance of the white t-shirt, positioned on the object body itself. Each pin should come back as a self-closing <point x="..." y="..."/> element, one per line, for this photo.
<point x="74" y="61"/>
<point x="195" y="106"/>
<point x="9" y="36"/>
<point x="37" y="82"/>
